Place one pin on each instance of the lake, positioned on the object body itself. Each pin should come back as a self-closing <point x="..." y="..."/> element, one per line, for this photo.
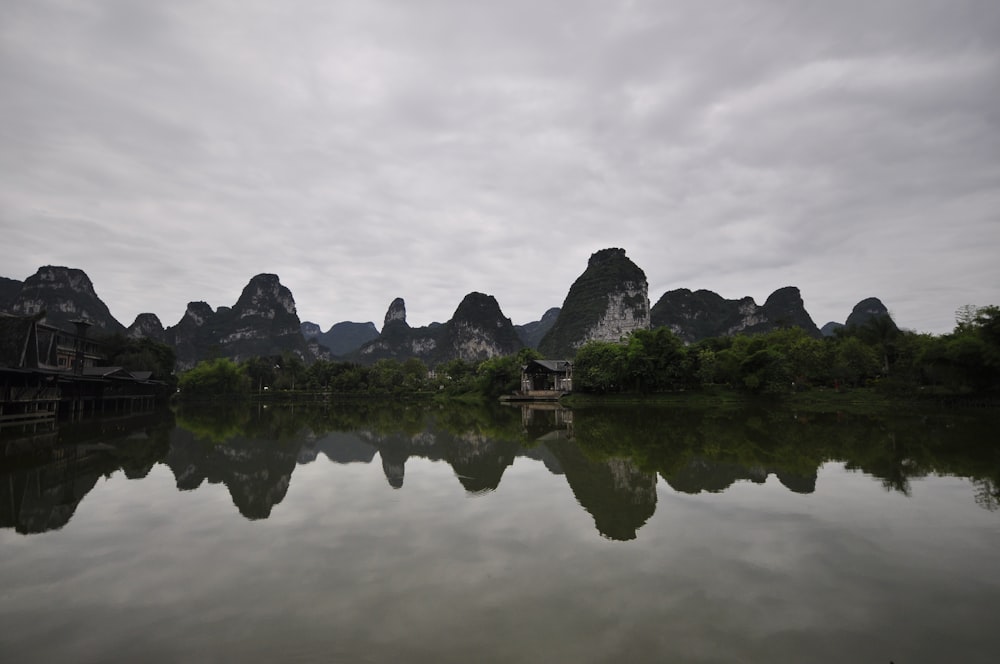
<point x="421" y="533"/>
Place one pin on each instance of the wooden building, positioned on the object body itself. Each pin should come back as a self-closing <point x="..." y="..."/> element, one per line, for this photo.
<point x="46" y="371"/>
<point x="545" y="380"/>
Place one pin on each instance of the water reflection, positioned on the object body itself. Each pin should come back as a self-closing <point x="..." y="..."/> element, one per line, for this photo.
<point x="611" y="458"/>
<point x="45" y="475"/>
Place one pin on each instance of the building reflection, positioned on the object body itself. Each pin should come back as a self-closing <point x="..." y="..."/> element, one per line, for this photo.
<point x="612" y="460"/>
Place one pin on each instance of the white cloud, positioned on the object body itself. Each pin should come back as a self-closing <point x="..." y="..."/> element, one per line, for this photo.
<point x="369" y="150"/>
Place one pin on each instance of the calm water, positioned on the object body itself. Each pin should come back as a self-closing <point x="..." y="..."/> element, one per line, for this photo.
<point x="390" y="534"/>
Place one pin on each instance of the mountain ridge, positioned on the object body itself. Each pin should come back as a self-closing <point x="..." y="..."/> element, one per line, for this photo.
<point x="607" y="301"/>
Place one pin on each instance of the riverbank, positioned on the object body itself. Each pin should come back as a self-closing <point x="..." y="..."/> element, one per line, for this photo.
<point x="856" y="400"/>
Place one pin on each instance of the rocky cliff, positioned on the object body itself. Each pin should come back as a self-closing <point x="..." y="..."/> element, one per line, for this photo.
<point x="702" y="314"/>
<point x="607" y="302"/>
<point x="64" y="294"/>
<point x="478" y="330"/>
<point x="398" y="341"/>
<point x="146" y="326"/>
<point x="262" y="322"/>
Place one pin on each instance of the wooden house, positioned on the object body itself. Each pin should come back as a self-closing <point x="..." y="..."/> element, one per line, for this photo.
<point x="545" y="380"/>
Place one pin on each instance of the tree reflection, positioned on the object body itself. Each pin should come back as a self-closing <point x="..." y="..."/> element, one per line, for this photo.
<point x="610" y="456"/>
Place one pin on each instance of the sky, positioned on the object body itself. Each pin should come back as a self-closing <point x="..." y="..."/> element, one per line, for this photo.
<point x="373" y="149"/>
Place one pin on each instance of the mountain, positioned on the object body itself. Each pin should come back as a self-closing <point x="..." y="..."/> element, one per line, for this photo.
<point x="146" y="326"/>
<point x="64" y="294"/>
<point x="262" y="322"/>
<point x="702" y="314"/>
<point x="866" y="310"/>
<point x="863" y="311"/>
<point x="532" y="333"/>
<point x="477" y="331"/>
<point x="607" y="302"/>
<point x="343" y="338"/>
<point x="830" y="329"/>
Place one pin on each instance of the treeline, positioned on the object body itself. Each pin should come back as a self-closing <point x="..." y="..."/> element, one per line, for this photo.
<point x="877" y="353"/>
<point x="653" y="361"/>
<point x="385" y="378"/>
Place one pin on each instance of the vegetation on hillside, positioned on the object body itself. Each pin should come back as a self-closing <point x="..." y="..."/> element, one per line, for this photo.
<point x="785" y="361"/>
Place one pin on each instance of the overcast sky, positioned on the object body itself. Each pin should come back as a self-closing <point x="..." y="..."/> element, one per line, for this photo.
<point x="370" y="150"/>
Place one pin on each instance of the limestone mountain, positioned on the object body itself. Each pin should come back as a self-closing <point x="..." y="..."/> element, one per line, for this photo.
<point x="64" y="294"/>
<point x="866" y="310"/>
<point x="477" y="331"/>
<point x="863" y="311"/>
<point x="262" y="322"/>
<point x="146" y="326"/>
<point x="342" y="338"/>
<point x="531" y="333"/>
<point x="607" y="302"/>
<point x="398" y="341"/>
<point x="701" y="314"/>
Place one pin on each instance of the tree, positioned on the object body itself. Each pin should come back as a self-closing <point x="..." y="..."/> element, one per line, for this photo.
<point x="599" y="367"/>
<point x="655" y="360"/>
<point x="261" y="372"/>
<point x="854" y="361"/>
<point x="141" y="355"/>
<point x="216" y="378"/>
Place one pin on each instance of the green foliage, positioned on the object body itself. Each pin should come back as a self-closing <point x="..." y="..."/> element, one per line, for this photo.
<point x="218" y="378"/>
<point x="141" y="355"/>
<point x="600" y="367"/>
<point x="656" y="360"/>
<point x="502" y="375"/>
<point x="261" y="372"/>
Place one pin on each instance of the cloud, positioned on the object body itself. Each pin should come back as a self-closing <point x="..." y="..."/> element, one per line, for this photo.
<point x="369" y="150"/>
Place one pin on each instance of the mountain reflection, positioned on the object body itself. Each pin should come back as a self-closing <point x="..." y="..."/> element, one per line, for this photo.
<point x="42" y="484"/>
<point x="611" y="458"/>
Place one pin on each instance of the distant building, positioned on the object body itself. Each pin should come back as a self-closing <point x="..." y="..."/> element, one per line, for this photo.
<point x="545" y="380"/>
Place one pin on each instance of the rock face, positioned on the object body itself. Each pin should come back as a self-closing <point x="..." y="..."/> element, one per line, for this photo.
<point x="146" y="326"/>
<point x="398" y="341"/>
<point x="64" y="294"/>
<point x="343" y="338"/>
<point x="9" y="289"/>
<point x="531" y="333"/>
<point x="478" y="330"/>
<point x="262" y="322"/>
<point x="607" y="302"/>
<point x="701" y="314"/>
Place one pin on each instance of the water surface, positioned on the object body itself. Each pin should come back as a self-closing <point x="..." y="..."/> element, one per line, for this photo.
<point x="375" y="533"/>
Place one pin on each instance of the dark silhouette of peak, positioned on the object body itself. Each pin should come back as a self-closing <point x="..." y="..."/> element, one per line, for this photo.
<point x="866" y="310"/>
<point x="703" y="314"/>
<point x="532" y="333"/>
